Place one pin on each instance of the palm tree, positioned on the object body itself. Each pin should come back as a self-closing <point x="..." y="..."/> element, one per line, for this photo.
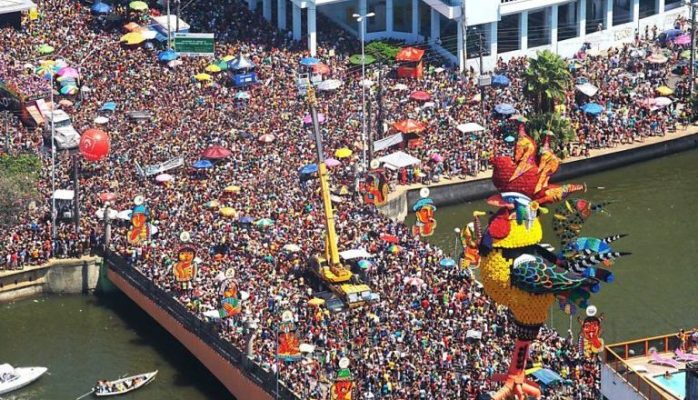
<point x="546" y="81"/>
<point x="556" y="126"/>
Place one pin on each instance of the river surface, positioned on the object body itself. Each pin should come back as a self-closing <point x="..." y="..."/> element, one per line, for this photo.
<point x="81" y="339"/>
<point x="656" y="204"/>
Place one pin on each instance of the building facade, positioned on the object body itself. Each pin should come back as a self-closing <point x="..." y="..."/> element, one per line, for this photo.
<point x="501" y="28"/>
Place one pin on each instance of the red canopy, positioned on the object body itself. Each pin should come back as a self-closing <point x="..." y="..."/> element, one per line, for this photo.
<point x="215" y="153"/>
<point x="420" y="95"/>
<point x="412" y="54"/>
<point x="409" y="126"/>
<point x="321" y="69"/>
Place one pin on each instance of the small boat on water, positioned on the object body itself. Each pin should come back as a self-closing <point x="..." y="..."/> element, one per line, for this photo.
<point x="15" y="378"/>
<point x="123" y="385"/>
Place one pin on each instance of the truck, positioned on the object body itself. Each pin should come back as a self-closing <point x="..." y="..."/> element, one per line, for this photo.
<point x="66" y="136"/>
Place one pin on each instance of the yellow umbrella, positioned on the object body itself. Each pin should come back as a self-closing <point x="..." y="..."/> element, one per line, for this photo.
<point x="138" y="5"/>
<point x="227" y="58"/>
<point x="213" y="68"/>
<point x="202" y="77"/>
<point x="343" y="153"/>
<point x="232" y="189"/>
<point x="227" y="211"/>
<point x="133" y="38"/>
<point x="316" y="301"/>
<point x="664" y="91"/>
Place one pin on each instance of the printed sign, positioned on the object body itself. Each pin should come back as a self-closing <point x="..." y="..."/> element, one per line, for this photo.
<point x="194" y="44"/>
<point x="162" y="167"/>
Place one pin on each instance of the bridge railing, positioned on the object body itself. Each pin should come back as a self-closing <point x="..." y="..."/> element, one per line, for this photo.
<point x="206" y="331"/>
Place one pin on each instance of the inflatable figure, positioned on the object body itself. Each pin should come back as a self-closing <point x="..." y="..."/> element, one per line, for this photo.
<point x="139" y="222"/>
<point x="590" y="342"/>
<point x="516" y="270"/>
<point x="289" y="344"/>
<point x="375" y="188"/>
<point x="343" y="384"/>
<point x="470" y="239"/>
<point x="426" y="223"/>
<point x="184" y="269"/>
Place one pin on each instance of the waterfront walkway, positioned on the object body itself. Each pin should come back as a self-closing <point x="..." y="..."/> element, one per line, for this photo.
<point x="680" y="132"/>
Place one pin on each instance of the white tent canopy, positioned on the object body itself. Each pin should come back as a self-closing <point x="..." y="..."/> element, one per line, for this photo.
<point x="398" y="160"/>
<point x="355" y="253"/>
<point x="161" y="23"/>
<point x="63" y="194"/>
<point x="11" y="6"/>
<point x="470" y="127"/>
<point x="386" y="142"/>
<point x="588" y="89"/>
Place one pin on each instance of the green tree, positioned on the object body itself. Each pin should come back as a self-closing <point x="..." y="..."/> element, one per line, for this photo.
<point x="556" y="126"/>
<point x="546" y="81"/>
<point x="18" y="176"/>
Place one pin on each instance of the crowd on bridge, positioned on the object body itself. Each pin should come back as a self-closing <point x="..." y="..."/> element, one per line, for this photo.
<point x="412" y="342"/>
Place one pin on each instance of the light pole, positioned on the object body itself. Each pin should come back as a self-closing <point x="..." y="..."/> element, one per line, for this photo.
<point x="691" y="84"/>
<point x="361" y="19"/>
<point x="455" y="244"/>
<point x="54" y="212"/>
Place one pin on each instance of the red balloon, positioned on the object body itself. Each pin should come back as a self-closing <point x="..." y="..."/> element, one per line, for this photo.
<point x="94" y="144"/>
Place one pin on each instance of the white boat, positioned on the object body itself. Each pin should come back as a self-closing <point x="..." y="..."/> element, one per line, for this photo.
<point x="15" y="378"/>
<point x="123" y="385"/>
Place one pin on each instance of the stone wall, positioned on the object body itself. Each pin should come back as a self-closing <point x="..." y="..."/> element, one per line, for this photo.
<point x="56" y="276"/>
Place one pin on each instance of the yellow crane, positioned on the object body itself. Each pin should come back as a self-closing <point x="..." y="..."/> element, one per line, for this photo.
<point x="329" y="268"/>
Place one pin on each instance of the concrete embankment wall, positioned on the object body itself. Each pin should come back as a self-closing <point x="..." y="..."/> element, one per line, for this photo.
<point x="56" y="276"/>
<point x="456" y="193"/>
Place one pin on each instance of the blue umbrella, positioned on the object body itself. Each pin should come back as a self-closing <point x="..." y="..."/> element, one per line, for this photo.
<point x="203" y="164"/>
<point x="101" y="8"/>
<point x="308" y="169"/>
<point x="246" y="220"/>
<point x="309" y="61"/>
<point x="447" y="262"/>
<point x="592" y="108"/>
<point x="167" y="56"/>
<point x="504" y="109"/>
<point x="509" y="139"/>
<point x="108" y="106"/>
<point x="364" y="264"/>
<point x="500" y="80"/>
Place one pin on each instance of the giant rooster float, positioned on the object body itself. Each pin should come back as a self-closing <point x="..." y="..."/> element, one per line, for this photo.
<point x="517" y="271"/>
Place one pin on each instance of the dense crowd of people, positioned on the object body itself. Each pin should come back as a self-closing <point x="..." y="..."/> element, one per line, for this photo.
<point x="412" y="342"/>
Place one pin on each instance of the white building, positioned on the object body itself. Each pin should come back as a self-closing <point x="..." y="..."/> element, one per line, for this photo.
<point x="508" y="28"/>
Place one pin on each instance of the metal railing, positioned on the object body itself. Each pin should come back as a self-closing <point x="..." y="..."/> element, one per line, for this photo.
<point x="206" y="331"/>
<point x="616" y="354"/>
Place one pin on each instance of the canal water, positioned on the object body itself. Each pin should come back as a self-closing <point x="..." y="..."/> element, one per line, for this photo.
<point x="656" y="204"/>
<point x="81" y="339"/>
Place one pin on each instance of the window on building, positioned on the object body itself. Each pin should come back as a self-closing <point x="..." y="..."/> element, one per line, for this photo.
<point x="567" y="21"/>
<point x="424" y="20"/>
<point x="622" y="12"/>
<point x="473" y="41"/>
<point x="647" y="8"/>
<point x="538" y="28"/>
<point x="508" y="33"/>
<point x="672" y="4"/>
<point x="596" y="11"/>
<point x="377" y="22"/>
<point x="448" y="39"/>
<point x="402" y="15"/>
